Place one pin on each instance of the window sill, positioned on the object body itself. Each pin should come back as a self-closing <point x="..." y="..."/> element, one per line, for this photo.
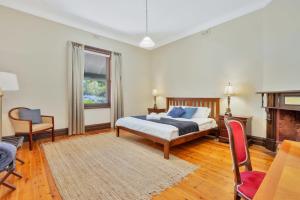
<point x="95" y="106"/>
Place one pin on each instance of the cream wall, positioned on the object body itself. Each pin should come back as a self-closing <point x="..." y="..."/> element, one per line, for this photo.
<point x="202" y="64"/>
<point x="35" y="49"/>
<point x="281" y="37"/>
<point x="255" y="52"/>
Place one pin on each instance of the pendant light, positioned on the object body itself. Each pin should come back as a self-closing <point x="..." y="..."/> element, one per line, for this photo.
<point x="147" y="42"/>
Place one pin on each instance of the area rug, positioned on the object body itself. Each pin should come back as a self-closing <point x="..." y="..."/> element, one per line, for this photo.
<point x="110" y="168"/>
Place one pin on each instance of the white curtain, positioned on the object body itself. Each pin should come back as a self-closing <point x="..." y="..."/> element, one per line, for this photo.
<point x="117" y="110"/>
<point x="75" y="90"/>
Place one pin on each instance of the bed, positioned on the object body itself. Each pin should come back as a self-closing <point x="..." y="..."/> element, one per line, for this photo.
<point x="168" y="135"/>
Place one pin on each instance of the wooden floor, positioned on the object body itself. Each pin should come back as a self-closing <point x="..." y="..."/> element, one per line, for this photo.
<point x="213" y="179"/>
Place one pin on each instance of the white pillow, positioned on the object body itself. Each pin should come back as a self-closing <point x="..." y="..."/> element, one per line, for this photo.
<point x="202" y="112"/>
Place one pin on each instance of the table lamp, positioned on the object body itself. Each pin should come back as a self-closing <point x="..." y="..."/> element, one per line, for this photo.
<point x="228" y="92"/>
<point x="8" y="82"/>
<point x="154" y="93"/>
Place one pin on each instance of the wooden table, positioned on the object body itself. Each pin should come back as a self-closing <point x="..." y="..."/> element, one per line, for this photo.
<point x="283" y="178"/>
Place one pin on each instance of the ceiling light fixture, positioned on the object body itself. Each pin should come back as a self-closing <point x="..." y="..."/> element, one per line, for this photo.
<point x="147" y="42"/>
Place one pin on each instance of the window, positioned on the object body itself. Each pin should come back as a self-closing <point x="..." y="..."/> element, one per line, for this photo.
<point x="96" y="84"/>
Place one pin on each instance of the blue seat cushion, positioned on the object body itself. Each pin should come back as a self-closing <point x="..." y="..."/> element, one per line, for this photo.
<point x="189" y="112"/>
<point x="7" y="155"/>
<point x="176" y="112"/>
<point x="33" y="115"/>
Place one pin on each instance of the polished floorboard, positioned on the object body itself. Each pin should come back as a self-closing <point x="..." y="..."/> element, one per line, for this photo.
<point x="213" y="180"/>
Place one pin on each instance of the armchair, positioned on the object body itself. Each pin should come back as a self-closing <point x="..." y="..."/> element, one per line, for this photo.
<point x="27" y="127"/>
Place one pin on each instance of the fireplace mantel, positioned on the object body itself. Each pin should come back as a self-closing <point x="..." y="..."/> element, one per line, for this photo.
<point x="283" y="116"/>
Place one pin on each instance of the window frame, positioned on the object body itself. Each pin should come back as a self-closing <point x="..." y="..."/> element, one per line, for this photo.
<point x="108" y="104"/>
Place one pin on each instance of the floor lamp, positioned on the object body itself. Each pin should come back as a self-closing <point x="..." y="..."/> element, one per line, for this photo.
<point x="8" y="82"/>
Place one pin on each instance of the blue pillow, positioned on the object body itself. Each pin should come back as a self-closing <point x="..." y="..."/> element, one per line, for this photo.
<point x="189" y="112"/>
<point x="33" y="115"/>
<point x="176" y="112"/>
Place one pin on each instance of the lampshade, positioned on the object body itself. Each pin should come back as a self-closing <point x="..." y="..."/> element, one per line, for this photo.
<point x="228" y="90"/>
<point x="154" y="92"/>
<point x="8" y="81"/>
<point x="147" y="42"/>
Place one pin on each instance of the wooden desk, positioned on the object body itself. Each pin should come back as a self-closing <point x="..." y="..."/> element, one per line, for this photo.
<point x="283" y="178"/>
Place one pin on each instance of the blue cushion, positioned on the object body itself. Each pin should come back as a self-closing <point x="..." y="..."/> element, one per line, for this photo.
<point x="33" y="115"/>
<point x="189" y="112"/>
<point x="176" y="112"/>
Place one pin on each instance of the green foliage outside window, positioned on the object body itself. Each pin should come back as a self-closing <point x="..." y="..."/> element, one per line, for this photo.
<point x="95" y="91"/>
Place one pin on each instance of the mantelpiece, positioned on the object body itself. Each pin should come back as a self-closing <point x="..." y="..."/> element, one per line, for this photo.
<point x="283" y="116"/>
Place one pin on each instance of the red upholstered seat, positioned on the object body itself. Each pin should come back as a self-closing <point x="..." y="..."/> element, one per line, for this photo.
<point x="251" y="181"/>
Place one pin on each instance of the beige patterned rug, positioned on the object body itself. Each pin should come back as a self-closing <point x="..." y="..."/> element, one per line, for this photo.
<point x="109" y="168"/>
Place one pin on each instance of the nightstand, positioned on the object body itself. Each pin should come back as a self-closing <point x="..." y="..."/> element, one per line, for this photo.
<point x="156" y="110"/>
<point x="245" y="120"/>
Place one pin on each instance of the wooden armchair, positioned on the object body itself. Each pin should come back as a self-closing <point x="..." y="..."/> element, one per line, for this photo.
<point x="26" y="126"/>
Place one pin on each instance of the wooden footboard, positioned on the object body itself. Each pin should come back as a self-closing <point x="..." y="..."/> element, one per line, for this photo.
<point x="164" y="142"/>
<point x="118" y="131"/>
<point x="167" y="144"/>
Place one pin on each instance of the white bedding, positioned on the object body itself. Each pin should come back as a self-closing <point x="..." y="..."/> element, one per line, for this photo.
<point x="163" y="131"/>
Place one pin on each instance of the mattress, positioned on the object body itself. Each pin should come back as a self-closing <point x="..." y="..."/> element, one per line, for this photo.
<point x="163" y="131"/>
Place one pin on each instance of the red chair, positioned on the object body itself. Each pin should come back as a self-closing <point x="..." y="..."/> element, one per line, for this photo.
<point x="246" y="182"/>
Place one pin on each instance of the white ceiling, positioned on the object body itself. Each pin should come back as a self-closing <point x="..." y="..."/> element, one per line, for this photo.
<point x="124" y="20"/>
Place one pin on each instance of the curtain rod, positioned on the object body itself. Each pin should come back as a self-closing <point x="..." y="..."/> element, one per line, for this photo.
<point x="76" y="43"/>
<point x="91" y="47"/>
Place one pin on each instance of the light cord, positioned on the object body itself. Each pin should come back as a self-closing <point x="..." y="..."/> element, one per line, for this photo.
<point x="146" y="17"/>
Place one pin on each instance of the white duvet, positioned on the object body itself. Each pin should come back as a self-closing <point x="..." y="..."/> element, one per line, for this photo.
<point x="163" y="131"/>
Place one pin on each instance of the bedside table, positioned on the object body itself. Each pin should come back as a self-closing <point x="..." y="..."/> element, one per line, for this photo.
<point x="156" y="110"/>
<point x="245" y="120"/>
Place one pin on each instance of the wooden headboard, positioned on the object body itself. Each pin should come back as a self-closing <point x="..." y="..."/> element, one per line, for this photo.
<point x="212" y="103"/>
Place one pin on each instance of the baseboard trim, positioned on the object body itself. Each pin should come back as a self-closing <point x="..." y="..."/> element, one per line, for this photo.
<point x="61" y="131"/>
<point x="95" y="127"/>
<point x="64" y="131"/>
<point x="251" y="140"/>
<point x="258" y="141"/>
